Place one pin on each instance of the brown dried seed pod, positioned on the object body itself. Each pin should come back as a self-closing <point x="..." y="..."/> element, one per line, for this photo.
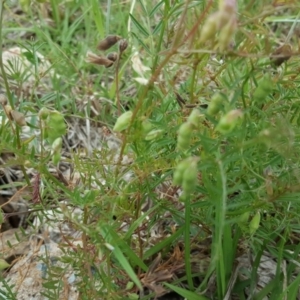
<point x="98" y="60"/>
<point x="7" y="110"/>
<point x="113" y="56"/>
<point x="108" y="42"/>
<point x="3" y="99"/>
<point x="281" y="54"/>
<point x="18" y="117"/>
<point x="123" y="45"/>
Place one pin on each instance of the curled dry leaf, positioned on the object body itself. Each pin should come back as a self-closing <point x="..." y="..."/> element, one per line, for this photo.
<point x="108" y="42"/>
<point x="138" y="66"/>
<point x="98" y="60"/>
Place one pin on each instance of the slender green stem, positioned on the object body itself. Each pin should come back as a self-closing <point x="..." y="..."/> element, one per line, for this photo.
<point x="7" y="89"/>
<point x="161" y="36"/>
<point x="3" y="73"/>
<point x="156" y="73"/>
<point x="117" y="83"/>
<point x="187" y="242"/>
<point x="107" y="24"/>
<point x="55" y="11"/>
<point x="194" y="75"/>
<point x="219" y="225"/>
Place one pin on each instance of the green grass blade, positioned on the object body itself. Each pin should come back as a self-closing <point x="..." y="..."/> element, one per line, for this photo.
<point x="98" y="17"/>
<point x="155" y="8"/>
<point x="136" y="261"/>
<point x="293" y="289"/>
<point x="138" y="25"/>
<point x="106" y="233"/>
<point x="185" y="293"/>
<point x="126" y="266"/>
<point x="187" y="242"/>
<point x="138" y="222"/>
<point x="164" y="243"/>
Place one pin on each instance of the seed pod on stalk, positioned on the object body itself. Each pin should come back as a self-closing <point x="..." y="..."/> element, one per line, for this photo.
<point x="108" y="42"/>
<point x="123" y="121"/>
<point x="184" y="136"/>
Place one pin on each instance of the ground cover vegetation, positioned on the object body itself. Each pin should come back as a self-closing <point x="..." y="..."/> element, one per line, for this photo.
<point x="172" y="128"/>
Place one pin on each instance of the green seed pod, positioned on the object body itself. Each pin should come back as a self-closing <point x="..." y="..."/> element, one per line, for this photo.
<point x="185" y="130"/>
<point x="153" y="134"/>
<point x="228" y="122"/>
<point x="44" y="113"/>
<point x="254" y="223"/>
<point x="215" y="104"/>
<point x="243" y="218"/>
<point x="189" y="179"/>
<point x="184" y="136"/>
<point x="264" y="88"/>
<point x="123" y="121"/>
<point x="146" y="126"/>
<point x="55" y="126"/>
<point x="177" y="177"/>
<point x="227" y="5"/>
<point x="183" y="143"/>
<point x="179" y="171"/>
<point x="243" y="221"/>
<point x="57" y="145"/>
<point x="209" y="28"/>
<point x="195" y="117"/>
<point x="227" y="13"/>
<point x="56" y="158"/>
<point x="226" y="35"/>
<point x="183" y="196"/>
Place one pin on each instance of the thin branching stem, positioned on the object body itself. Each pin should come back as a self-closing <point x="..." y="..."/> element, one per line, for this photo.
<point x="187" y="242"/>
<point x="154" y="76"/>
<point x="3" y="73"/>
<point x="7" y="89"/>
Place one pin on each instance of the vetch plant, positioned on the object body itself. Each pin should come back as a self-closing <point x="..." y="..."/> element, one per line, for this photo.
<point x="263" y="89"/>
<point x="222" y="22"/>
<point x="229" y="121"/>
<point x="54" y="126"/>
<point x="215" y="104"/>
<point x="173" y="193"/>
<point x="123" y="121"/>
<point x="186" y="129"/>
